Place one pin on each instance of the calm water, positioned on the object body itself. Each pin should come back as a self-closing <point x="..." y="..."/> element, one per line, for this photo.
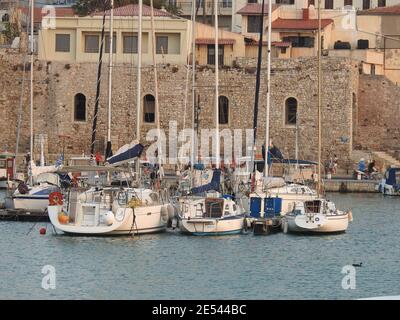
<point x="172" y="266"/>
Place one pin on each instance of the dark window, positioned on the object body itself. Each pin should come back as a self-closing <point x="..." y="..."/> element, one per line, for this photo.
<point x="80" y="107"/>
<point x="149" y="108"/>
<point x="252" y="1"/>
<point x="348" y="2"/>
<point x="211" y="54"/>
<point x="381" y="3"/>
<point x="291" y="111"/>
<point x="311" y="2"/>
<point x="107" y="44"/>
<point x="366" y="4"/>
<point x="283" y="50"/>
<point x="372" y="69"/>
<point x="62" y="42"/>
<point x="284" y="1"/>
<point x="328" y="4"/>
<point x="226" y="3"/>
<point x="130" y="44"/>
<point x="162" y="44"/>
<point x="253" y="24"/>
<point x="5" y="18"/>
<point x="91" y="44"/>
<point x="223" y="110"/>
<point x="300" y="42"/>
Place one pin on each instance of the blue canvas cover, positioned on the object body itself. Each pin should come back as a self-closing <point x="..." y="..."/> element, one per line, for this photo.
<point x="126" y="153"/>
<point x="391" y="178"/>
<point x="213" y="185"/>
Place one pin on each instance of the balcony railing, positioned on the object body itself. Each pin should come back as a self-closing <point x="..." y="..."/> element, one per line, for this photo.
<point x="224" y="7"/>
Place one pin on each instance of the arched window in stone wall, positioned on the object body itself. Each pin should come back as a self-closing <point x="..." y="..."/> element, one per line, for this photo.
<point x="5" y="18"/>
<point x="223" y="110"/>
<point x="291" y="111"/>
<point x="80" y="107"/>
<point x="149" y="108"/>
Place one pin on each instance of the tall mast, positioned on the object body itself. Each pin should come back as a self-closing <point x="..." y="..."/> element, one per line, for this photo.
<point x="266" y="166"/>
<point x="110" y="71"/>
<point x="319" y="99"/>
<point x="139" y="81"/>
<point x="258" y="81"/>
<point x="216" y="84"/>
<point x="97" y="101"/>
<point x="31" y="84"/>
<point x="194" y="147"/>
<point x="156" y="89"/>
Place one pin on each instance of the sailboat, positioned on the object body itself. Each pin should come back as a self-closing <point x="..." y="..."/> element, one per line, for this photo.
<point x="114" y="210"/>
<point x="317" y="215"/>
<point x="205" y="211"/>
<point x="34" y="195"/>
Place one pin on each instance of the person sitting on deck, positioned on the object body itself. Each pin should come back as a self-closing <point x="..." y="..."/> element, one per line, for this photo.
<point x="371" y="167"/>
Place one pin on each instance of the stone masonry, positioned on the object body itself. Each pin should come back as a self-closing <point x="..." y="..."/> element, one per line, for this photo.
<point x="56" y="84"/>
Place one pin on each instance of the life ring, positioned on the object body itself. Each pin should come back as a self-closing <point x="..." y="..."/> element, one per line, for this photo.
<point x="56" y="198"/>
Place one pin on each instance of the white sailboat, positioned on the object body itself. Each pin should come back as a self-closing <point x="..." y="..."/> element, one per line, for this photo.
<point x="113" y="210"/>
<point x="211" y="214"/>
<point x="34" y="195"/>
<point x="318" y="215"/>
<point x="110" y="210"/>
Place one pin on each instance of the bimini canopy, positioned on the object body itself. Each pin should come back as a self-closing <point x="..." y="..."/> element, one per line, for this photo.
<point x="126" y="153"/>
<point x="213" y="185"/>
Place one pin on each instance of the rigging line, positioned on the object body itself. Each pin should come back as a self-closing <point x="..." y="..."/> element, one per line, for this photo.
<point x="96" y="108"/>
<point x="187" y="80"/>
<point x="159" y="148"/>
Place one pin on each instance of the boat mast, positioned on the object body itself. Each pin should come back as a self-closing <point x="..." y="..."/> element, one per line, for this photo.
<point x="31" y="97"/>
<point x="216" y="84"/>
<point x="153" y="32"/>
<point x="257" y="93"/>
<point x="110" y="71"/>
<point x="194" y="147"/>
<point x="319" y="185"/>
<point x="266" y="166"/>
<point x="96" y="106"/>
<point x="139" y="82"/>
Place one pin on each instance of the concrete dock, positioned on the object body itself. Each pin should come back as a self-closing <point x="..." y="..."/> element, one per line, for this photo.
<point x="350" y="185"/>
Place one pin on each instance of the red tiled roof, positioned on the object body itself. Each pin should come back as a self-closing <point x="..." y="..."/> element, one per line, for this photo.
<point x="133" y="10"/>
<point x="255" y="9"/>
<point x="212" y="41"/>
<point x="392" y="10"/>
<point x="299" y="24"/>
<point x="39" y="13"/>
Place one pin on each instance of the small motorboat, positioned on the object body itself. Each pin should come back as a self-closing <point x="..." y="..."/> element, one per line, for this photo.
<point x="316" y="216"/>
<point x="214" y="216"/>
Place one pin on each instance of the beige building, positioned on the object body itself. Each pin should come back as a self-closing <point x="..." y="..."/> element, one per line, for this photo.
<point x="78" y="39"/>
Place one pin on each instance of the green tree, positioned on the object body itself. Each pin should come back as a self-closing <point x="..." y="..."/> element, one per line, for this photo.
<point x="85" y="7"/>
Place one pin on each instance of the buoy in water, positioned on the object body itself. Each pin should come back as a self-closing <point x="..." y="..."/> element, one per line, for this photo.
<point x="42" y="231"/>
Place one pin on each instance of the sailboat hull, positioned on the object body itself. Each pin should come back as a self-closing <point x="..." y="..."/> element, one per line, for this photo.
<point x="212" y="227"/>
<point x="331" y="224"/>
<point x="141" y="220"/>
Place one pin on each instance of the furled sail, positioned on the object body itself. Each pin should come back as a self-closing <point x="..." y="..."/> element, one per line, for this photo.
<point x="126" y="153"/>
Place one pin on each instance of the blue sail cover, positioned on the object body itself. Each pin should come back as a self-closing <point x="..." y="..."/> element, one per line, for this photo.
<point x="392" y="178"/>
<point x="126" y="153"/>
<point x="213" y="185"/>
